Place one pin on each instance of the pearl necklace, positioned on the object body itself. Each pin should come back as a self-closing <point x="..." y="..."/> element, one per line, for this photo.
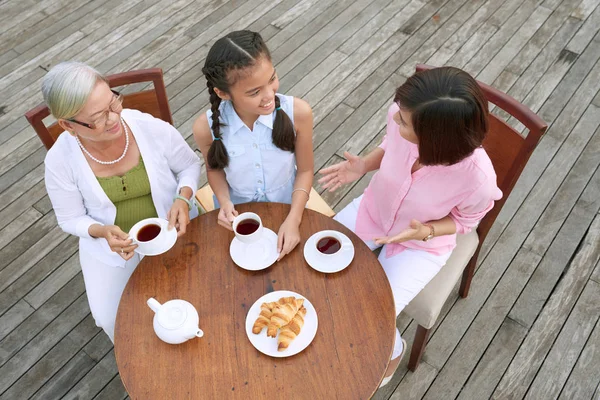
<point x="108" y="162"/>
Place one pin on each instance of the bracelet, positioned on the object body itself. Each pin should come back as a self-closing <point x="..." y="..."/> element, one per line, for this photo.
<point x="303" y="190"/>
<point x="180" y="197"/>
<point x="431" y="233"/>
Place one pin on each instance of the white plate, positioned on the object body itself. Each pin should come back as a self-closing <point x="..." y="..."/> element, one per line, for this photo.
<point x="170" y="240"/>
<point x="268" y="345"/>
<point x="328" y="263"/>
<point x="255" y="256"/>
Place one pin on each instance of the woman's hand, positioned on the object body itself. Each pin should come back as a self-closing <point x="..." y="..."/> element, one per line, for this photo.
<point x="118" y="241"/>
<point x="416" y="231"/>
<point x="288" y="237"/>
<point x="342" y="173"/>
<point x="179" y="216"/>
<point x="226" y="215"/>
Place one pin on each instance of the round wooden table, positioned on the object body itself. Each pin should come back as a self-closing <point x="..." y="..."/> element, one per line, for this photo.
<point x="346" y="360"/>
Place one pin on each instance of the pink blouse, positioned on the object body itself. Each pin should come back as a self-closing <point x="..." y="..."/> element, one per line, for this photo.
<point x="466" y="191"/>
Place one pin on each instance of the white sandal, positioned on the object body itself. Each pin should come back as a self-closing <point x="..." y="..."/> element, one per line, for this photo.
<point x="387" y="379"/>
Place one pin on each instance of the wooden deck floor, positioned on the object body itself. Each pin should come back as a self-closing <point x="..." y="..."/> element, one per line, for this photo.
<point x="529" y="328"/>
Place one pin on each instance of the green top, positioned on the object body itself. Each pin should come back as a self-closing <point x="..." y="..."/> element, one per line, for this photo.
<point x="131" y="195"/>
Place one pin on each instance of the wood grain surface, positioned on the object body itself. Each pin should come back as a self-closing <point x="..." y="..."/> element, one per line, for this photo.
<point x="347" y="358"/>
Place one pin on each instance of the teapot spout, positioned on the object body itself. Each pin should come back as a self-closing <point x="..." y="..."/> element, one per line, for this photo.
<point x="153" y="304"/>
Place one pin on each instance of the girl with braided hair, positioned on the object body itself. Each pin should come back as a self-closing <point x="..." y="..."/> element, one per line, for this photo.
<point x="256" y="143"/>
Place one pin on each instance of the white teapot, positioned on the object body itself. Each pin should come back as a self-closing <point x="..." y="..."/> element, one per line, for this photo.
<point x="175" y="321"/>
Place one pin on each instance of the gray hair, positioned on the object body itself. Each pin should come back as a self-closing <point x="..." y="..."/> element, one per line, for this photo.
<point x="67" y="86"/>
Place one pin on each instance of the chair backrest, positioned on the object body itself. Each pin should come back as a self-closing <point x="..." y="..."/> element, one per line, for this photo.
<point x="508" y="150"/>
<point x="152" y="101"/>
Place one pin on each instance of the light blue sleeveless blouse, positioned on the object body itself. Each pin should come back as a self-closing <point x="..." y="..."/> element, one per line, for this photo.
<point x="257" y="170"/>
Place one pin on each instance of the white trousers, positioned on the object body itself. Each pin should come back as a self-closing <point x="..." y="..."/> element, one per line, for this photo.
<point x="408" y="272"/>
<point x="104" y="285"/>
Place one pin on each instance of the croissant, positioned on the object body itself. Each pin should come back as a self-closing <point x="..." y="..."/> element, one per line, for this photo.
<point x="283" y="313"/>
<point x="291" y="330"/>
<point x="266" y="310"/>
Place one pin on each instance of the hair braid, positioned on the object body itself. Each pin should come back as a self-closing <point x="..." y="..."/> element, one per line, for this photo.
<point x="283" y="129"/>
<point x="217" y="153"/>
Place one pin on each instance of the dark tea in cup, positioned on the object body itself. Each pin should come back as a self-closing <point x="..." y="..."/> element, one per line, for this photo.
<point x="148" y="232"/>
<point x="247" y="226"/>
<point x="329" y="245"/>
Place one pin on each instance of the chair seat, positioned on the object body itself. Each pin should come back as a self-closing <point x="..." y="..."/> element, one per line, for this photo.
<point x="315" y="202"/>
<point x="426" y="307"/>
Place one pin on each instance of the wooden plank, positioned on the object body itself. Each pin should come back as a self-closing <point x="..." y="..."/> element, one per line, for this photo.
<point x="330" y="123"/>
<point x="13" y="317"/>
<point x="362" y="26"/>
<point x="44" y="205"/>
<point x="54" y="360"/>
<point x="581" y="383"/>
<point x="494" y="361"/>
<point x="586" y="33"/>
<point x="98" y="347"/>
<point x="26" y="357"/>
<point x="512" y="47"/>
<point x="95" y="380"/>
<point x="585" y="9"/>
<point x="379" y="101"/>
<point x="369" y="85"/>
<point x="448" y="23"/>
<point x="113" y="391"/>
<point x="7" y="56"/>
<point x="314" y="77"/>
<point x="294" y="13"/>
<point x="18" y="225"/>
<point x="525" y="365"/>
<point x="31" y="278"/>
<point x="19" y="154"/>
<point x="559" y="129"/>
<point x="24" y="241"/>
<point x="18" y="171"/>
<point x="16" y="141"/>
<point x="37" y="321"/>
<point x="558" y="21"/>
<point x="16" y="208"/>
<point x="565" y="351"/>
<point x="414" y="385"/>
<point x="23" y="183"/>
<point x="458" y="38"/>
<point x="56" y="280"/>
<point x="66" y="377"/>
<point x="596" y="274"/>
<point x="473" y="45"/>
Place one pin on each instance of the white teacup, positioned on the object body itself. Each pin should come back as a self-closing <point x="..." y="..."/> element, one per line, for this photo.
<point x="247" y="237"/>
<point x="143" y="230"/>
<point x="343" y="243"/>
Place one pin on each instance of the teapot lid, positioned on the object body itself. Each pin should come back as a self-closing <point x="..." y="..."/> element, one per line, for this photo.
<point x="172" y="315"/>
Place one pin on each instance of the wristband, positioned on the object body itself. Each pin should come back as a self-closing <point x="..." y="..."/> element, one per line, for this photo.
<point x="180" y="197"/>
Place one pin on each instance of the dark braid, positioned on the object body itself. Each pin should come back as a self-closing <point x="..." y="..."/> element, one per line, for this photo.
<point x="283" y="129"/>
<point x="235" y="52"/>
<point x="217" y="154"/>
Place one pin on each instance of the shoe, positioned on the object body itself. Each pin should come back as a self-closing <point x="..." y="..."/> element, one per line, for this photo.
<point x="387" y="379"/>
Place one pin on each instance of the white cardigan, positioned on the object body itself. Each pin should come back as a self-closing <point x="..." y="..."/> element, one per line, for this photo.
<point x="78" y="199"/>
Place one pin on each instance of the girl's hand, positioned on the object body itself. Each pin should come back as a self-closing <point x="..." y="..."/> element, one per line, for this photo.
<point x="118" y="241"/>
<point x="416" y="231"/>
<point x="226" y="215"/>
<point x="179" y="216"/>
<point x="288" y="237"/>
<point x="342" y="173"/>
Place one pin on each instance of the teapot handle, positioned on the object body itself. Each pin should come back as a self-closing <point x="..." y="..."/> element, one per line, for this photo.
<point x="153" y="304"/>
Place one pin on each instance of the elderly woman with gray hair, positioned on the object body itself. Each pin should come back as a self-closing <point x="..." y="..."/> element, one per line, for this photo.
<point x="111" y="168"/>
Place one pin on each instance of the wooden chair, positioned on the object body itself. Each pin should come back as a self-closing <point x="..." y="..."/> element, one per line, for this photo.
<point x="509" y="153"/>
<point x="204" y="197"/>
<point x="152" y="101"/>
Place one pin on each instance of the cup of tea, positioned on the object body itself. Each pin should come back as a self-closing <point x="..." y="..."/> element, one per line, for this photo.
<point x="331" y="243"/>
<point x="149" y="234"/>
<point x="248" y="227"/>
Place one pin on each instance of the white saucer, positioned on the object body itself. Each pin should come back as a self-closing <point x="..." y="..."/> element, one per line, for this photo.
<point x="255" y="256"/>
<point x="170" y="240"/>
<point x="328" y="263"/>
<point x="268" y="345"/>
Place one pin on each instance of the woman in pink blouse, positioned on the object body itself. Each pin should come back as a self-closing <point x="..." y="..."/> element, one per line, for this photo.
<point x="434" y="180"/>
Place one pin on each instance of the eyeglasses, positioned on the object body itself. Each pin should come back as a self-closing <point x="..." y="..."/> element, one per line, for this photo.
<point x="115" y="106"/>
